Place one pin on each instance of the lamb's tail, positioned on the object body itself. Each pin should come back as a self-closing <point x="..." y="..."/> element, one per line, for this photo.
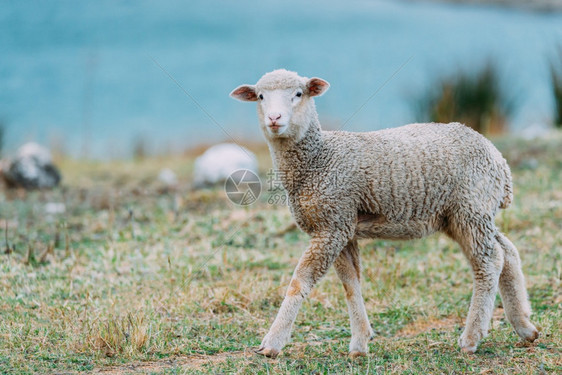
<point x="508" y="189"/>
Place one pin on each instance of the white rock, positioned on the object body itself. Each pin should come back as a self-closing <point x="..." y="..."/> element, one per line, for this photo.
<point x="31" y="168"/>
<point x="33" y="150"/>
<point x="219" y="161"/>
<point x="167" y="177"/>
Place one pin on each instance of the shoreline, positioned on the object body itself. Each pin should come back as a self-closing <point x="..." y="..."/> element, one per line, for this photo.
<point x="547" y="6"/>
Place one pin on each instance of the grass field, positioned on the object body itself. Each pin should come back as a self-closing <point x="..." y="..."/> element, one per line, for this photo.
<point x="136" y="278"/>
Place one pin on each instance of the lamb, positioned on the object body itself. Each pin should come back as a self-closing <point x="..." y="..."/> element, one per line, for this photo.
<point x="401" y="183"/>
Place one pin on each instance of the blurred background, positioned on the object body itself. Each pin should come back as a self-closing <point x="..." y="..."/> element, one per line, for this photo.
<point x="87" y="79"/>
<point x="119" y="244"/>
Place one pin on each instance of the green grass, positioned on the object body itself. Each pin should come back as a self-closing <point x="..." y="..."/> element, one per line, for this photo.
<point x="133" y="278"/>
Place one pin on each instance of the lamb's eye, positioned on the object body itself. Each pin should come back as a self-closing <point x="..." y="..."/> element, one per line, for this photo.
<point x="261" y="97"/>
<point x="299" y="94"/>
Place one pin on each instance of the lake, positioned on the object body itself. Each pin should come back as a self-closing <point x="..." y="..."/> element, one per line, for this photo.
<point x="85" y="76"/>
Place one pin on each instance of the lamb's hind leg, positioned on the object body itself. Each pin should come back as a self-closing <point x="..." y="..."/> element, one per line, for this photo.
<point x="348" y="268"/>
<point x="485" y="255"/>
<point x="514" y="293"/>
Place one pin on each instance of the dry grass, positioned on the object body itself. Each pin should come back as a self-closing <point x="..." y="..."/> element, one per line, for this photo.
<point x="136" y="278"/>
<point x="126" y="335"/>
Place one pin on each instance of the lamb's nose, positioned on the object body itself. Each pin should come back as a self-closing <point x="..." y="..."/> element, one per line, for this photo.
<point x="274" y="117"/>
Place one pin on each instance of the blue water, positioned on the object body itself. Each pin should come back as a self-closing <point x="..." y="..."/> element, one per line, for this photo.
<point x="81" y="73"/>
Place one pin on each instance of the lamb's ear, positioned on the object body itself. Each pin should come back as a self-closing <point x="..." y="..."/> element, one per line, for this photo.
<point x="245" y="93"/>
<point x="317" y="86"/>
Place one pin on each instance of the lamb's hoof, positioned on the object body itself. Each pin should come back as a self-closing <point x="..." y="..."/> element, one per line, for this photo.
<point x="469" y="349"/>
<point x="268" y="352"/>
<point x="529" y="334"/>
<point x="468" y="345"/>
<point x="355" y="354"/>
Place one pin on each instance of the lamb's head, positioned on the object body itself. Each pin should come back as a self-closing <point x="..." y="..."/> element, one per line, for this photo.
<point x="285" y="102"/>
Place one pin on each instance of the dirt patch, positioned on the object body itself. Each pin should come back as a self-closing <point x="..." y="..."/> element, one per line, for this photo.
<point x="192" y="362"/>
<point x="427" y="324"/>
<point x="423" y="325"/>
<point x="196" y="362"/>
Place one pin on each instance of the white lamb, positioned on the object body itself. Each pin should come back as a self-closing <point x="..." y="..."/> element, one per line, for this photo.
<point x="400" y="183"/>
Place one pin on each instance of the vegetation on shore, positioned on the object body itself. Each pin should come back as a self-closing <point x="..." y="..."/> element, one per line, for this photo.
<point x="474" y="98"/>
<point x="556" y="81"/>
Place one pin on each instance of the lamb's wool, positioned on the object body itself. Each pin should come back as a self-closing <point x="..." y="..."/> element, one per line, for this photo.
<point x="281" y="79"/>
<point x="397" y="183"/>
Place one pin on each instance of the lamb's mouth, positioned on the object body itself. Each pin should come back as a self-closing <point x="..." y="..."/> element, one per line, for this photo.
<point x="275" y="127"/>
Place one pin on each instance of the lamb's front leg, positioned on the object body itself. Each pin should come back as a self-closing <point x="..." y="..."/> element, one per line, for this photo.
<point x="313" y="264"/>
